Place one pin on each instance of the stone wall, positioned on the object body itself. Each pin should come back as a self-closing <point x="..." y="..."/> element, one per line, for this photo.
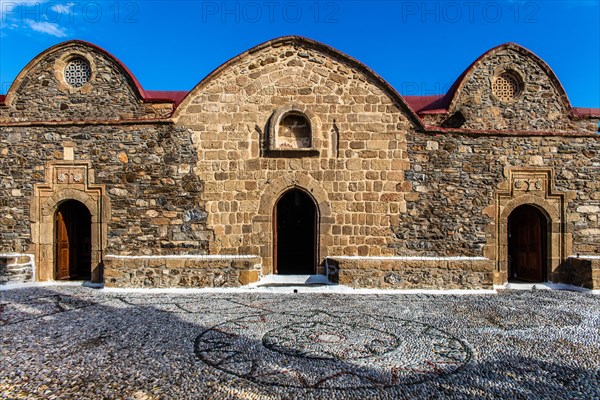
<point x="354" y="171"/>
<point x="584" y="272"/>
<point x="40" y="94"/>
<point x="148" y="173"/>
<point x="16" y="268"/>
<point x="455" y="177"/>
<point x="413" y="273"/>
<point x="190" y="272"/>
<point x="542" y="105"/>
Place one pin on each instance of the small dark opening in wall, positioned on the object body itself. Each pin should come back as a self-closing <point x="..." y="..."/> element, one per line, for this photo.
<point x="456" y="120"/>
<point x="294" y="132"/>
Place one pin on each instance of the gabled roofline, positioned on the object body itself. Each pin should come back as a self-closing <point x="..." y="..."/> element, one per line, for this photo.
<point x="444" y="103"/>
<point x="414" y="106"/>
<point x="456" y="88"/>
<point x="146" y="96"/>
<point x="321" y="47"/>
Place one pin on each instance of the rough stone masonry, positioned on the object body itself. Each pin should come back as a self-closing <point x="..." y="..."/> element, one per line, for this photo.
<point x="183" y="188"/>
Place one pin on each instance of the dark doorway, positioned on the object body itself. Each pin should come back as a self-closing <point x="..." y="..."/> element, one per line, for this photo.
<point x="73" y="229"/>
<point x="295" y="234"/>
<point x="527" y="247"/>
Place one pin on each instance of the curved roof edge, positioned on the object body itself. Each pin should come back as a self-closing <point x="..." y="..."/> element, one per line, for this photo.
<point x="148" y="96"/>
<point x="584" y="112"/>
<point x="454" y="92"/>
<point x="414" y="105"/>
<point x="301" y="40"/>
<point x="442" y="103"/>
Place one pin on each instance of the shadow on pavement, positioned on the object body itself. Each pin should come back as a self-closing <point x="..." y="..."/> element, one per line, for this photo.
<point x="82" y="343"/>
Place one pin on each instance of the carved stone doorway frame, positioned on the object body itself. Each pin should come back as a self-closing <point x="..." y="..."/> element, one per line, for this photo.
<point x="67" y="180"/>
<point x="532" y="186"/>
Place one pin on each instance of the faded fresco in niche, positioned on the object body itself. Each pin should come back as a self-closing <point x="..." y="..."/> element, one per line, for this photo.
<point x="293" y="132"/>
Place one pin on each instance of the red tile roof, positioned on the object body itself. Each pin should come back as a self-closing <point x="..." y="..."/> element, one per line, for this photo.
<point x="164" y="96"/>
<point x="432" y="104"/>
<point x="586" y="112"/>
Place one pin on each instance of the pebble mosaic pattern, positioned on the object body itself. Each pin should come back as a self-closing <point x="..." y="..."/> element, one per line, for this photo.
<point x="335" y="351"/>
<point x="80" y="343"/>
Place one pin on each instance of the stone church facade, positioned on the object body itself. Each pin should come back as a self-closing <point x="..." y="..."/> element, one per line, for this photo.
<point x="293" y="158"/>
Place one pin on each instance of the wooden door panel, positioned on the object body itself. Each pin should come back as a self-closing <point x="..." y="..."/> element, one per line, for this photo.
<point x="527" y="244"/>
<point x="275" y="241"/>
<point x="73" y="242"/>
<point x="63" y="247"/>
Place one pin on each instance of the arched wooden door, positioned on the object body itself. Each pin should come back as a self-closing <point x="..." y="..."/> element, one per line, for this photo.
<point x="527" y="244"/>
<point x="73" y="231"/>
<point x="295" y="234"/>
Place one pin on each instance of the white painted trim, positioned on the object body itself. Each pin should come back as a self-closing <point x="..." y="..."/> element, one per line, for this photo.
<point x="26" y="285"/>
<point x="13" y="255"/>
<point x="585" y="257"/>
<point x="291" y="280"/>
<point x="31" y="261"/>
<point x="407" y="258"/>
<point x="301" y="289"/>
<point x="184" y="256"/>
<point x="340" y="289"/>
<point x="18" y="267"/>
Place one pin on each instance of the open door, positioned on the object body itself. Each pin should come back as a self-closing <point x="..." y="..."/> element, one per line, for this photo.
<point x="295" y="234"/>
<point x="73" y="229"/>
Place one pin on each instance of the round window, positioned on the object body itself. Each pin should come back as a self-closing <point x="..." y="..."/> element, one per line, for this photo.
<point x="507" y="86"/>
<point x="78" y="72"/>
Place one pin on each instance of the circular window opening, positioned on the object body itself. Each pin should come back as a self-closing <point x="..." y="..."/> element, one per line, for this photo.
<point x="78" y="72"/>
<point x="507" y="86"/>
<point x="294" y="132"/>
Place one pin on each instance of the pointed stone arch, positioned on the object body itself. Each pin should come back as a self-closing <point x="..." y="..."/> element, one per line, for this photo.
<point x="263" y="221"/>
<point x="295" y="233"/>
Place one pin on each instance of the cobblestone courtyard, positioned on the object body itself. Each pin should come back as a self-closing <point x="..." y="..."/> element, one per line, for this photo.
<point x="74" y="342"/>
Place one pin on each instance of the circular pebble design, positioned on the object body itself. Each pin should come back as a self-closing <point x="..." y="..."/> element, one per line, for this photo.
<point x="327" y="350"/>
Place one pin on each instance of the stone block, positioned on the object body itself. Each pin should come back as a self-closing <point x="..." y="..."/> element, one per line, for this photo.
<point x="248" y="276"/>
<point x="354" y="164"/>
<point x="111" y="273"/>
<point x="175" y="263"/>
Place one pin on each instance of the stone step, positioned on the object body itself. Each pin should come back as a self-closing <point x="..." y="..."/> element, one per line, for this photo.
<point x="293" y="280"/>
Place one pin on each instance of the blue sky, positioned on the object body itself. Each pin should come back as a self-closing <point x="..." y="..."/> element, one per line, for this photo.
<point x="419" y="47"/>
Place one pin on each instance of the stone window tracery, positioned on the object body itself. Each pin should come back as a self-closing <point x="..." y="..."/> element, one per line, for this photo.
<point x="78" y="72"/>
<point x="507" y="86"/>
